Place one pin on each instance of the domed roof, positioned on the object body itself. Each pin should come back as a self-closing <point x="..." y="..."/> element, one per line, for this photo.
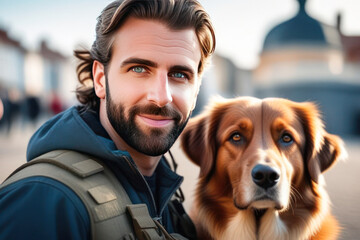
<point x="301" y="29"/>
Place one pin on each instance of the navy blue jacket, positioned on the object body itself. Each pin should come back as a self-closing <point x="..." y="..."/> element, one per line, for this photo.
<point x="42" y="208"/>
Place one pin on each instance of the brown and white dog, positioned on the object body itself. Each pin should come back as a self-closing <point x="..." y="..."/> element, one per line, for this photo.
<point x="261" y="165"/>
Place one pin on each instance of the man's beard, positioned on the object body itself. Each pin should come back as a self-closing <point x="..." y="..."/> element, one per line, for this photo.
<point x="154" y="143"/>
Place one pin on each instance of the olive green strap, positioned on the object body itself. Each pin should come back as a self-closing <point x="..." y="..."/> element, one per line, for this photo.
<point x="144" y="226"/>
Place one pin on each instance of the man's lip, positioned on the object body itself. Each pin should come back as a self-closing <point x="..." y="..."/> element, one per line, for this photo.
<point x="156" y="120"/>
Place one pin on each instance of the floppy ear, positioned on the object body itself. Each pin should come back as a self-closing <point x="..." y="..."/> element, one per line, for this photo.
<point x="198" y="140"/>
<point x="197" y="144"/>
<point x="322" y="149"/>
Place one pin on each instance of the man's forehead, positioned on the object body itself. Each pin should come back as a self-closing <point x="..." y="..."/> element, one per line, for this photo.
<point x="155" y="35"/>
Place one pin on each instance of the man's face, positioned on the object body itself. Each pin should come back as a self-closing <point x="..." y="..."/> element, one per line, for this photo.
<point x="151" y="84"/>
<point x="155" y="141"/>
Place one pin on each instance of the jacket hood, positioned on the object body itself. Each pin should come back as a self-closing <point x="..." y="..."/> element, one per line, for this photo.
<point x="69" y="131"/>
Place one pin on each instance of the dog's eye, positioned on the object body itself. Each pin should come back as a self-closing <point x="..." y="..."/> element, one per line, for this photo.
<point x="286" y="138"/>
<point x="236" y="138"/>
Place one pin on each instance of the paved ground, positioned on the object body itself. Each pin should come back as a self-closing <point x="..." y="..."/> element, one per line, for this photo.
<point x="342" y="180"/>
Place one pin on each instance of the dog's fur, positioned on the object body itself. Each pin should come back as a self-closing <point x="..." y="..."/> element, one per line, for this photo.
<point x="232" y="137"/>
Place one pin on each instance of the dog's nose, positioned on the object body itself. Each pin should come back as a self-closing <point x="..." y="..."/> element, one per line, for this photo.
<point x="265" y="176"/>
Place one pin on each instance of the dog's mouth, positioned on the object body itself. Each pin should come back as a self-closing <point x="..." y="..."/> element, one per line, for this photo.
<point x="261" y="203"/>
<point x="266" y="202"/>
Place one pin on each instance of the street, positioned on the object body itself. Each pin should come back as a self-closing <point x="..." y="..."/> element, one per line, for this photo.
<point x="341" y="180"/>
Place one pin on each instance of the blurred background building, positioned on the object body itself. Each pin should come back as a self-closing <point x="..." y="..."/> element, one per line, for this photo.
<point x="304" y="59"/>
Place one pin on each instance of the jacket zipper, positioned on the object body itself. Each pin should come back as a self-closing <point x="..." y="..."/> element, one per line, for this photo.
<point x="136" y="171"/>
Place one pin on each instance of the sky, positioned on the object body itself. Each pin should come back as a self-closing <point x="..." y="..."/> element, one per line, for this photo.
<point x="240" y="25"/>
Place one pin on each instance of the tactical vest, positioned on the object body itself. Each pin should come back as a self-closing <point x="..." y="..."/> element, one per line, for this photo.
<point x="112" y="215"/>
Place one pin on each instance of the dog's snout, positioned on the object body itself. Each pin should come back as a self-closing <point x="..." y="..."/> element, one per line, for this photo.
<point x="265" y="176"/>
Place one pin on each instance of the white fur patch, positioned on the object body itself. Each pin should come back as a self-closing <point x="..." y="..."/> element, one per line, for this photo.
<point x="242" y="226"/>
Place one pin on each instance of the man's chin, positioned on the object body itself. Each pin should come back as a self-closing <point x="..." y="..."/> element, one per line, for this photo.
<point x="155" y="143"/>
<point x="153" y="149"/>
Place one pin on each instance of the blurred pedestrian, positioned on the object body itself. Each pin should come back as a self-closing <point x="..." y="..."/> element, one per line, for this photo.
<point x="31" y="109"/>
<point x="55" y="103"/>
<point x="11" y="106"/>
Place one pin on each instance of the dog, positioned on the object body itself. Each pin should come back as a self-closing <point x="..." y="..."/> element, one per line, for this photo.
<point x="261" y="164"/>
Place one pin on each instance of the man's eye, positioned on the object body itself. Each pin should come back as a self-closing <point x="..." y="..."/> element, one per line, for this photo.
<point x="138" y="69"/>
<point x="179" y="75"/>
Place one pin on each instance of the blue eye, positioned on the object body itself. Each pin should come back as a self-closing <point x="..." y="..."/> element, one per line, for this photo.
<point x="286" y="139"/>
<point x="138" y="69"/>
<point x="178" y="75"/>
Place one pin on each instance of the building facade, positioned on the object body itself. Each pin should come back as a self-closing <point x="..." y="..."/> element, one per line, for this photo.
<point x="305" y="60"/>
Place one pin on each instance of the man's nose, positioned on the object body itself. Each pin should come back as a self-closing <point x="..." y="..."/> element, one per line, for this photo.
<point x="159" y="91"/>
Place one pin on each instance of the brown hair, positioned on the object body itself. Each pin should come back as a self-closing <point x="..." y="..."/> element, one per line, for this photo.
<point x="176" y="14"/>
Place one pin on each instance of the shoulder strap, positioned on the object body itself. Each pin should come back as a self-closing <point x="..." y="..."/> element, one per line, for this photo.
<point x="95" y="184"/>
<point x="102" y="194"/>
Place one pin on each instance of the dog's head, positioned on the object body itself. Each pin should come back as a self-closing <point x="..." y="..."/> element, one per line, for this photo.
<point x="260" y="152"/>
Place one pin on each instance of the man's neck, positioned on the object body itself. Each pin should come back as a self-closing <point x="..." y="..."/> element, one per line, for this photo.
<point x="146" y="164"/>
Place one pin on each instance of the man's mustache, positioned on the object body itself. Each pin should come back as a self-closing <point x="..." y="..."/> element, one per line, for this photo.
<point x="165" y="111"/>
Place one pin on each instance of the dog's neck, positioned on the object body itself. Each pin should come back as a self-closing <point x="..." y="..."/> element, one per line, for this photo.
<point x="258" y="213"/>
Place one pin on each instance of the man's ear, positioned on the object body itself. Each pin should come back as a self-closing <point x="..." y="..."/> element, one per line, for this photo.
<point x="99" y="79"/>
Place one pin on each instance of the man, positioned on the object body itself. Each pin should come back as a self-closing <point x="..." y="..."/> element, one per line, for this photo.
<point x="139" y="84"/>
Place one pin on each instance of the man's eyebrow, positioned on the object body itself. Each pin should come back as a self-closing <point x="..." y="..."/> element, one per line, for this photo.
<point x="149" y="63"/>
<point x="139" y="61"/>
<point x="182" y="68"/>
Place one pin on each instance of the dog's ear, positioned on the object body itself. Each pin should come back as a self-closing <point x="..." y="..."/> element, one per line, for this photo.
<point x="322" y="149"/>
<point x="199" y="139"/>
